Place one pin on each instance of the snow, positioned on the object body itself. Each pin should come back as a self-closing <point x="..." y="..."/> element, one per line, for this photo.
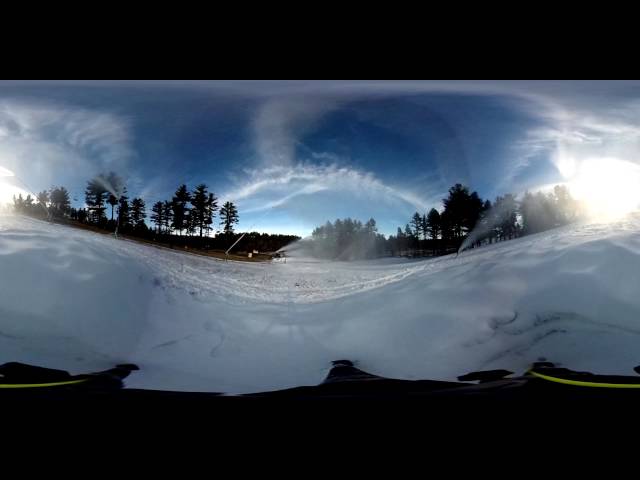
<point x="82" y="301"/>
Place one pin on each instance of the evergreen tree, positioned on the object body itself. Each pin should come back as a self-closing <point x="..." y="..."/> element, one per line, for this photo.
<point x="504" y="216"/>
<point x="347" y="239"/>
<point x="192" y="223"/>
<point x="60" y="202"/>
<point x="400" y="240"/>
<point x="28" y="205"/>
<point x="95" y="197"/>
<point x="416" y="225"/>
<point x="43" y="198"/>
<point x="447" y="232"/>
<point x="157" y="216"/>
<point x="138" y="213"/>
<point x="463" y="210"/>
<point x="370" y="227"/>
<point x="210" y="209"/>
<point x="179" y="206"/>
<point x="114" y="185"/>
<point x="167" y="216"/>
<point x="433" y="224"/>
<point x="199" y="206"/>
<point x="538" y="212"/>
<point x="408" y="233"/>
<point x="229" y="217"/>
<point x="424" y="227"/>
<point x="124" y="219"/>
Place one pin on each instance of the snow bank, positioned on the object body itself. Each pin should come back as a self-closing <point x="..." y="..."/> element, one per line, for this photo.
<point x="82" y="301"/>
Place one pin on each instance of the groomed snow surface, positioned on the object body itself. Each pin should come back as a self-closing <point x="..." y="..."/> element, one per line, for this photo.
<point x="82" y="301"/>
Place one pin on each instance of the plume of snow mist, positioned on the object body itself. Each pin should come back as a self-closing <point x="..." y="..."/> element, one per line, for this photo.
<point x="499" y="214"/>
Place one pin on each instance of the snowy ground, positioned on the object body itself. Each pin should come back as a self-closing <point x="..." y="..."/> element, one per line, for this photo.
<point x="81" y="301"/>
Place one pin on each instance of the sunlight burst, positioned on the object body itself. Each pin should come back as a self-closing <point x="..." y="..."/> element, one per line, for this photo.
<point x="608" y="188"/>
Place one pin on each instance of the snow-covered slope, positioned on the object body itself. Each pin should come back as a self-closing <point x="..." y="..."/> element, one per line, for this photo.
<point x="81" y="301"/>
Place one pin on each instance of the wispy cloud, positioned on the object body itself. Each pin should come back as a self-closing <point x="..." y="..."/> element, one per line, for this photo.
<point x="279" y="123"/>
<point x="46" y="142"/>
<point x="281" y="185"/>
<point x="580" y="131"/>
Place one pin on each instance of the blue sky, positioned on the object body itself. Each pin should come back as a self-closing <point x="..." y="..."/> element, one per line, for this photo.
<point x="292" y="155"/>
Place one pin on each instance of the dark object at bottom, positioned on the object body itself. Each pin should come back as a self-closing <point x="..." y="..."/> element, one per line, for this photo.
<point x="543" y="384"/>
<point x="15" y="376"/>
<point x="485" y="376"/>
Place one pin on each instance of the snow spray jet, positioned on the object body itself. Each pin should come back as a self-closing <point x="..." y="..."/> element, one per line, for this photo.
<point x="501" y="213"/>
<point x="5" y="172"/>
<point x="113" y="184"/>
<point x="360" y="247"/>
<point x="249" y="230"/>
<point x="304" y="245"/>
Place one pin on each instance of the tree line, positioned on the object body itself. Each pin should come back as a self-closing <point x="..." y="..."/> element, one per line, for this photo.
<point x="108" y="207"/>
<point x="193" y="213"/>
<point x="466" y="216"/>
<point x="441" y="232"/>
<point x="347" y="239"/>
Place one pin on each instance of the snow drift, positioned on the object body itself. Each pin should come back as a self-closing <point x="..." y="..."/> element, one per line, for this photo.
<point x="81" y="301"/>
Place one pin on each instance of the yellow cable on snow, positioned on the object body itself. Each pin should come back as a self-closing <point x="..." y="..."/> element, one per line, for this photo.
<point x="35" y="385"/>
<point x="579" y="383"/>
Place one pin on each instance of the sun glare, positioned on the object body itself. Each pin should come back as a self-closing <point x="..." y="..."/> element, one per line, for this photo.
<point x="609" y="188"/>
<point x="7" y="191"/>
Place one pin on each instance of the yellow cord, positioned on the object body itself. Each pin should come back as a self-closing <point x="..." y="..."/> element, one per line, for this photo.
<point x="34" y="385"/>
<point x="579" y="383"/>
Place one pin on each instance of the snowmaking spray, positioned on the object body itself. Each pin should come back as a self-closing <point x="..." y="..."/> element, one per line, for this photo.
<point x="113" y="190"/>
<point x="493" y="217"/>
<point x="226" y="253"/>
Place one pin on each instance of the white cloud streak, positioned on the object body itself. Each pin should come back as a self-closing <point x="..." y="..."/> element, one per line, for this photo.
<point x="45" y="143"/>
<point x="282" y="185"/>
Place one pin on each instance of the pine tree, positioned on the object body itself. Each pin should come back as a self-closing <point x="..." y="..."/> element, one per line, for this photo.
<point x="463" y="209"/>
<point x="167" y="216"/>
<point x="504" y="216"/>
<point x="180" y="211"/>
<point x="114" y="185"/>
<point x="43" y="198"/>
<point x="192" y="223"/>
<point x="199" y="205"/>
<point x="416" y="225"/>
<point x="408" y="232"/>
<point x="60" y="202"/>
<point x="95" y="196"/>
<point x="28" y="205"/>
<point x="204" y="206"/>
<point x="447" y="232"/>
<point x="433" y="226"/>
<point x="433" y="223"/>
<point x="424" y="227"/>
<point x="124" y="220"/>
<point x="157" y="216"/>
<point x="229" y="217"/>
<point x="370" y="227"/>
<point x="210" y="210"/>
<point x="138" y="213"/>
